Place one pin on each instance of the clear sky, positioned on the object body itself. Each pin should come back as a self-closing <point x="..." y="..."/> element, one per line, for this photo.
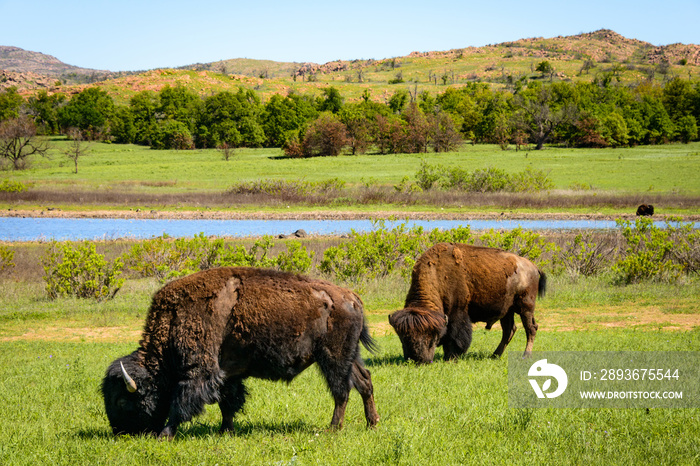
<point x="129" y="35"/>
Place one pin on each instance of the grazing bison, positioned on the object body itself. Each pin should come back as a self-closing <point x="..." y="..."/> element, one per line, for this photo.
<point x="454" y="285"/>
<point x="645" y="210"/>
<point x="207" y="332"/>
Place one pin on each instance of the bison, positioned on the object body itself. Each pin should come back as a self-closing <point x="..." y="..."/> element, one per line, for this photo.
<point x="645" y="210"/>
<point x="454" y="285"/>
<point x="207" y="332"/>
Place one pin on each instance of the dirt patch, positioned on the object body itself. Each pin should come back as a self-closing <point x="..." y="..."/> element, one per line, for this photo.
<point x="97" y="334"/>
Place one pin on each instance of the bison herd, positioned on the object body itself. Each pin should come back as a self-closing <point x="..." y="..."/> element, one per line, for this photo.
<point x="207" y="332"/>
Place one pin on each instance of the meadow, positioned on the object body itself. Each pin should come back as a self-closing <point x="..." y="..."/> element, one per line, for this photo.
<point x="53" y="354"/>
<point x="585" y="181"/>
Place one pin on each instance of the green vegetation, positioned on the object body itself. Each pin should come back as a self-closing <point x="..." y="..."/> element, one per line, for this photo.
<point x="53" y="355"/>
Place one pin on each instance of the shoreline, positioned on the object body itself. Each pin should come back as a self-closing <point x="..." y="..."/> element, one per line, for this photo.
<point x="318" y="215"/>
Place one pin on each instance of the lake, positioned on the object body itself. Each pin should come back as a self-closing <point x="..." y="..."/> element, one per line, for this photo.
<point x="32" y="229"/>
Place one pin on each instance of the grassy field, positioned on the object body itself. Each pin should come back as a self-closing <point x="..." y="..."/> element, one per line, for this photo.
<point x="645" y="172"/>
<point x="53" y="355"/>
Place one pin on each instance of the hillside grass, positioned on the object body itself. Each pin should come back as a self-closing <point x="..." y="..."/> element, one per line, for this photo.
<point x="53" y="355"/>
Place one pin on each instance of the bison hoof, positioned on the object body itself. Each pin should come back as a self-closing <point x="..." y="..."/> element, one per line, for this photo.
<point x="168" y="433"/>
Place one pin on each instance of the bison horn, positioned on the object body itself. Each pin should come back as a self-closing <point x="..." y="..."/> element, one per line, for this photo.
<point x="130" y="384"/>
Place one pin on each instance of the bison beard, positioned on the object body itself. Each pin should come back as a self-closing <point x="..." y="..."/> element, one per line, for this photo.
<point x="207" y="332"/>
<point x="454" y="285"/>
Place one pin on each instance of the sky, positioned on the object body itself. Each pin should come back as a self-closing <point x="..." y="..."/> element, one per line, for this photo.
<point x="134" y="35"/>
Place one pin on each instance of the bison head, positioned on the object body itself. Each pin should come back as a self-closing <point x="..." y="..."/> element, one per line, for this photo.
<point x="420" y="331"/>
<point x="132" y="403"/>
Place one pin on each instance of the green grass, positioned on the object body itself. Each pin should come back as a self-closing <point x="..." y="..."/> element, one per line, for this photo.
<point x="451" y="413"/>
<point x="53" y="355"/>
<point x="662" y="169"/>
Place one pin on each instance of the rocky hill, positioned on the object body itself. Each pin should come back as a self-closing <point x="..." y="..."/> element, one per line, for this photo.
<point x="582" y="56"/>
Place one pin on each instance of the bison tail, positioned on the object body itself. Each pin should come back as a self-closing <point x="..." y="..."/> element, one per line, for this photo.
<point x="542" y="285"/>
<point x="367" y="340"/>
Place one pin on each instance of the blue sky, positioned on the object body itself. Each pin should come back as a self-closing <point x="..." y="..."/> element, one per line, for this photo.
<point x="132" y="35"/>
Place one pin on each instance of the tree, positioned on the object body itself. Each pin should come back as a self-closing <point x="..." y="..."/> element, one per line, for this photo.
<point x="226" y="150"/>
<point x="545" y="68"/>
<point x="10" y="103"/>
<point x="331" y="101"/>
<point x="325" y="136"/>
<point x="18" y="141"/>
<point x="44" y="108"/>
<point x="77" y="147"/>
<point x="89" y="111"/>
<point x="444" y="136"/>
<point x="539" y="115"/>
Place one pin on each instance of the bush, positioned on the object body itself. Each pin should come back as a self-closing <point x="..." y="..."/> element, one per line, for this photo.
<point x="428" y="175"/>
<point x="378" y="253"/>
<point x="256" y="256"/>
<point x="164" y="258"/>
<point x="482" y="180"/>
<point x="584" y="257"/>
<point x="651" y="251"/>
<point x="373" y="254"/>
<point x="296" y="259"/>
<point x="80" y="272"/>
<point x="7" y="257"/>
<point x="525" y="243"/>
<point x="9" y="186"/>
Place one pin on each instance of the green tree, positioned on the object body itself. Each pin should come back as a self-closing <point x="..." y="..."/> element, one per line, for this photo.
<point x="179" y="104"/>
<point x="398" y="100"/>
<point x="283" y="117"/>
<point x="144" y="110"/>
<point x="232" y="119"/>
<point x="331" y="101"/>
<point x="10" y="103"/>
<point x="44" y="109"/>
<point x="90" y="111"/>
<point x="687" y="128"/>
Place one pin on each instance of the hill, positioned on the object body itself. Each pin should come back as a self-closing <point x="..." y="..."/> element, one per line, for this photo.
<point x="582" y="57"/>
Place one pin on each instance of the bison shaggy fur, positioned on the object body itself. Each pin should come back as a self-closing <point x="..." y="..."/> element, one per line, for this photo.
<point x="207" y="332"/>
<point x="454" y="285"/>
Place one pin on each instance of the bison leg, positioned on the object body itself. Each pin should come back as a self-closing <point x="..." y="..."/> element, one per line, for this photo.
<point x="188" y="401"/>
<point x="458" y="337"/>
<point x="508" y="326"/>
<point x="362" y="381"/>
<point x="530" y="325"/>
<point x="233" y="395"/>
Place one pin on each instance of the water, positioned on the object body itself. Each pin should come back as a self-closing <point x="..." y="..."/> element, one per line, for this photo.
<point x="31" y="229"/>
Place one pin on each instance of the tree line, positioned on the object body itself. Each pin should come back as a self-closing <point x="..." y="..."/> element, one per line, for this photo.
<point x="601" y="113"/>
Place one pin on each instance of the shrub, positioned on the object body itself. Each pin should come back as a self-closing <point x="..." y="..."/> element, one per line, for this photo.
<point x="378" y="253"/>
<point x="256" y="256"/>
<point x="164" y="258"/>
<point x="80" y="272"/>
<point x="7" y="257"/>
<point x="428" y="175"/>
<point x="296" y="259"/>
<point x="583" y="256"/>
<point x="650" y="251"/>
<point x="530" y="180"/>
<point x="9" y="186"/>
<point x="482" y="180"/>
<point x="524" y="243"/>
<point x="373" y="254"/>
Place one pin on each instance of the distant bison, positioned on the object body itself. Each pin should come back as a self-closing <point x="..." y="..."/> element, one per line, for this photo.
<point x="207" y="332"/>
<point x="645" y="210"/>
<point x="454" y="285"/>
